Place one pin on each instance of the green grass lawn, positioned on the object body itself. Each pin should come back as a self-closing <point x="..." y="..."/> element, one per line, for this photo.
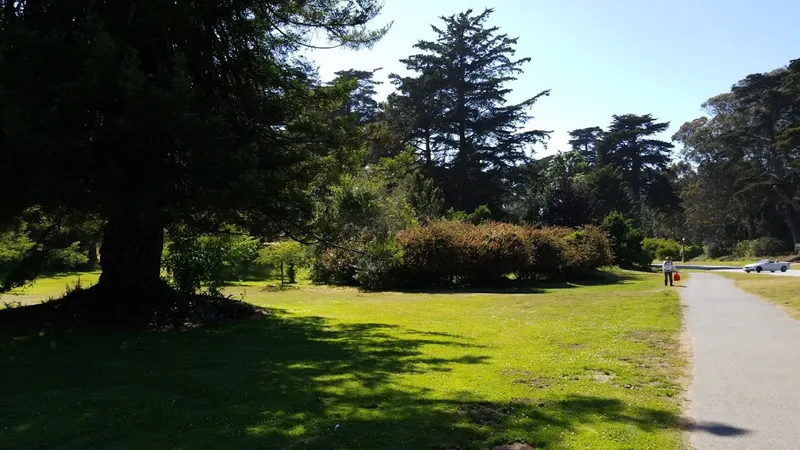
<point x="55" y="286"/>
<point x="593" y="366"/>
<point x="783" y="292"/>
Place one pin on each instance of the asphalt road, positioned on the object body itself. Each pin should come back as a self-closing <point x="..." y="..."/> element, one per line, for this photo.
<point x="788" y="273"/>
<point x="746" y="388"/>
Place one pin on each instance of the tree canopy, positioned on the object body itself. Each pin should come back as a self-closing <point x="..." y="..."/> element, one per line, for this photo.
<point x="157" y="114"/>
<point x="127" y="124"/>
<point x="470" y="139"/>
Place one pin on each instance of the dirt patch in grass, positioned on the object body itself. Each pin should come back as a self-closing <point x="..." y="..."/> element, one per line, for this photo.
<point x="536" y="383"/>
<point x="529" y="378"/>
<point x="601" y="377"/>
<point x="655" y="339"/>
<point x="484" y="414"/>
<point x="514" y="446"/>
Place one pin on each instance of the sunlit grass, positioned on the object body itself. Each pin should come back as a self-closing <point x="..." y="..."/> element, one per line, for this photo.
<point x="568" y="366"/>
<point x="780" y="291"/>
<point x="738" y="262"/>
<point x="47" y="287"/>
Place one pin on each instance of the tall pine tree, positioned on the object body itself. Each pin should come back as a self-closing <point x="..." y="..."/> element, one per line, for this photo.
<point x="584" y="141"/>
<point x="361" y="102"/>
<point x="629" y="144"/>
<point x="159" y="114"/>
<point x="468" y="131"/>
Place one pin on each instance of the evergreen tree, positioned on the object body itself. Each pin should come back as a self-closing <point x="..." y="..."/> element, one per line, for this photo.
<point x="629" y="145"/>
<point x="584" y="141"/>
<point x="748" y="146"/>
<point x="159" y="114"/>
<point x="361" y="102"/>
<point x="417" y="110"/>
<point x="457" y="96"/>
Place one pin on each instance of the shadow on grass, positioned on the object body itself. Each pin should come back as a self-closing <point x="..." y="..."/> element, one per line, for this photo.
<point x="512" y="286"/>
<point x="278" y="382"/>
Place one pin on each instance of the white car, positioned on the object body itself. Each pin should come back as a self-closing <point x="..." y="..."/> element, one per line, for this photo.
<point x="767" y="264"/>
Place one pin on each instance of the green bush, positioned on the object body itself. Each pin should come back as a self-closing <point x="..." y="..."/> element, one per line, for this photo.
<point x="743" y="249"/>
<point x="69" y="258"/>
<point x="444" y="252"/>
<point x="797" y="249"/>
<point x="588" y="248"/>
<point x="448" y="253"/>
<point x="378" y="266"/>
<point x="194" y="261"/>
<point x="13" y="245"/>
<point x="371" y="264"/>
<point x="715" y="250"/>
<point x="626" y="242"/>
<point x="335" y="265"/>
<point x="481" y="214"/>
<point x="662" y="248"/>
<point x="767" y="246"/>
<point x="547" y="249"/>
<point x="692" y="251"/>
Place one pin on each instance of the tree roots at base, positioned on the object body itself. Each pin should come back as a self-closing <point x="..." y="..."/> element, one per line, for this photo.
<point x="157" y="307"/>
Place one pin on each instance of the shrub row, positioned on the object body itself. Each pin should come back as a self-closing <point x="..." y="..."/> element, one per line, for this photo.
<point x="448" y="253"/>
<point x="764" y="246"/>
<point x="662" y="248"/>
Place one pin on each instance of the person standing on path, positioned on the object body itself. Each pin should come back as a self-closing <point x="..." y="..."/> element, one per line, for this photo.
<point x="668" y="267"/>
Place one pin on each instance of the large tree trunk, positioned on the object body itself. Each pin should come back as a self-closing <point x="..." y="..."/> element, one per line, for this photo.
<point x="130" y="255"/>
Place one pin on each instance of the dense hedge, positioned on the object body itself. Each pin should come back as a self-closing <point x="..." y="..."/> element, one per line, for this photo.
<point x="449" y="253"/>
<point x="662" y="248"/>
<point x="764" y="246"/>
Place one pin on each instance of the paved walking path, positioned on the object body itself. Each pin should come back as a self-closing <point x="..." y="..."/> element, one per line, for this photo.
<point x="746" y="389"/>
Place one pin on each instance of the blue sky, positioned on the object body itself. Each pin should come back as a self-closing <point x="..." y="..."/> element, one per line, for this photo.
<point x="604" y="57"/>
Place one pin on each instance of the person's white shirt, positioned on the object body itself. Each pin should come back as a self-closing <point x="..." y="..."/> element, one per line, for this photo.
<point x="668" y="266"/>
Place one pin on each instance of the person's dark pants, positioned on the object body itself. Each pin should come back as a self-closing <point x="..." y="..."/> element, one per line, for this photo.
<point x="667" y="278"/>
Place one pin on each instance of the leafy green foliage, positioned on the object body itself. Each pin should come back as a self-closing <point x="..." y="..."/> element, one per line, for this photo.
<point x="289" y="254"/>
<point x="629" y="145"/>
<point x="361" y="104"/>
<point x="169" y="114"/>
<point x="447" y="253"/>
<point x="66" y="247"/>
<point x="745" y="185"/>
<point x="763" y="246"/>
<point x="68" y="258"/>
<point x="662" y="248"/>
<point x="13" y="246"/>
<point x="193" y="261"/>
<point x="481" y="214"/>
<point x="626" y="242"/>
<point x="715" y="250"/>
<point x="426" y="198"/>
<point x="453" y="106"/>
<point x="359" y="218"/>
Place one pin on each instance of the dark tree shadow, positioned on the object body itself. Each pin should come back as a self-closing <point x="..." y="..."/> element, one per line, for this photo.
<point x="715" y="428"/>
<point x="512" y="286"/>
<point x="279" y="382"/>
